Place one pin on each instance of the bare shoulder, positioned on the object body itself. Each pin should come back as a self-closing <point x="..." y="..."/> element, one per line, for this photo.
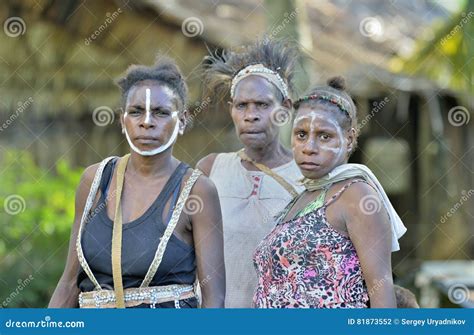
<point x="204" y="206"/>
<point x="362" y="200"/>
<point x="353" y="196"/>
<point x="204" y="186"/>
<point x="358" y="190"/>
<point x="88" y="176"/>
<point x="82" y="193"/>
<point x="85" y="183"/>
<point x="206" y="163"/>
<point x="89" y="173"/>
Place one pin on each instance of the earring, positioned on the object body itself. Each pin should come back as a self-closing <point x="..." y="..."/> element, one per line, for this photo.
<point x="123" y="130"/>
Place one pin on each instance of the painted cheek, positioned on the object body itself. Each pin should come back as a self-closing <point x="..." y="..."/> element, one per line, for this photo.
<point x="161" y="148"/>
<point x="338" y="150"/>
<point x="334" y="149"/>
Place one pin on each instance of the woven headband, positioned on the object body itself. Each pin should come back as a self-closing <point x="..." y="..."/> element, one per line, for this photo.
<point x="264" y="72"/>
<point x="326" y="96"/>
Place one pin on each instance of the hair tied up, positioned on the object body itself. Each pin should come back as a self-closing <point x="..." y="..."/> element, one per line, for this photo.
<point x="338" y="83"/>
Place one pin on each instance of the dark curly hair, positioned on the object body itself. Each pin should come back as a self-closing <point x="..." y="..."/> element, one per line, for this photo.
<point x="164" y="71"/>
<point x="219" y="70"/>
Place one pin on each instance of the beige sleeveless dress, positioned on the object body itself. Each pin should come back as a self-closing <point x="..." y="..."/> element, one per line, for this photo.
<point x="249" y="201"/>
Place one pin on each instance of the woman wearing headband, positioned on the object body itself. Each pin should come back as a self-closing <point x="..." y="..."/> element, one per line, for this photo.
<point x="146" y="224"/>
<point x="258" y="181"/>
<point x="331" y="247"/>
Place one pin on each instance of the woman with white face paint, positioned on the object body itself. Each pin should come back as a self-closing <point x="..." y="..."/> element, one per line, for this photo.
<point x="331" y="247"/>
<point x="146" y="224"/>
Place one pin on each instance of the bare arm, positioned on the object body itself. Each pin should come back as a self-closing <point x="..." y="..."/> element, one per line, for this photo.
<point x="371" y="235"/>
<point x="205" y="164"/>
<point x="66" y="293"/>
<point x="208" y="244"/>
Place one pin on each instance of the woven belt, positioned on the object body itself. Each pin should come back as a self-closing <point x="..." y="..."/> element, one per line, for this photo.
<point x="135" y="296"/>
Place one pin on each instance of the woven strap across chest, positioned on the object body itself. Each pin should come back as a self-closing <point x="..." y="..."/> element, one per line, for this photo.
<point x="269" y="172"/>
<point x="116" y="236"/>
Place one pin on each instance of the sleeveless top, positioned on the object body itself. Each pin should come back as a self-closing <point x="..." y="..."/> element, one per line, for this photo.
<point x="140" y="239"/>
<point x="249" y="201"/>
<point x="305" y="262"/>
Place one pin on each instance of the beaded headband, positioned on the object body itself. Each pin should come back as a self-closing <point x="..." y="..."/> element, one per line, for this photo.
<point x="264" y="72"/>
<point x="326" y="96"/>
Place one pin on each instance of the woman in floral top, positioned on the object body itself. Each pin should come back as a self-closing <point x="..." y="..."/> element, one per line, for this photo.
<point x="331" y="247"/>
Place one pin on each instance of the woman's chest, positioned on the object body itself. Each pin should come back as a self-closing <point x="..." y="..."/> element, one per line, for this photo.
<point x="302" y="242"/>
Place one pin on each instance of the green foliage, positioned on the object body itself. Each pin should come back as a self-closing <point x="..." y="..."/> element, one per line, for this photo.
<point x="447" y="58"/>
<point x="36" y="215"/>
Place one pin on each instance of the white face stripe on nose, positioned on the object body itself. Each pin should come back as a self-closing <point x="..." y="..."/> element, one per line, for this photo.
<point x="147" y="105"/>
<point x="342" y="141"/>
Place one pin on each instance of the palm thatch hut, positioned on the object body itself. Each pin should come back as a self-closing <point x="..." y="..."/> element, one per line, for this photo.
<point x="57" y="74"/>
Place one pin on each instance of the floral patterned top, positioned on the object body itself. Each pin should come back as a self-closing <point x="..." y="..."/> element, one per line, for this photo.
<point x="305" y="262"/>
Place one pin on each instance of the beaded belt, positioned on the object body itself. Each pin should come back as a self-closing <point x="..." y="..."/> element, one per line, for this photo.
<point x="135" y="296"/>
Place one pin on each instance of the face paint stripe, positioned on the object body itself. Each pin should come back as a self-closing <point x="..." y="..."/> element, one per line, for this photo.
<point x="161" y="148"/>
<point x="147" y="105"/>
<point x="338" y="151"/>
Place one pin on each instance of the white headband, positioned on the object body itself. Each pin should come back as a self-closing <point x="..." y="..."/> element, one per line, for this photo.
<point x="264" y="72"/>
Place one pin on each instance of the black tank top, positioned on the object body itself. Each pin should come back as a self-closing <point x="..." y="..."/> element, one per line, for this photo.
<point x="140" y="239"/>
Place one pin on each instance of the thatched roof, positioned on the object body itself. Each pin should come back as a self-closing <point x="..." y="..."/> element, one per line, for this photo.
<point x="68" y="65"/>
<point x="71" y="51"/>
<point x="338" y="35"/>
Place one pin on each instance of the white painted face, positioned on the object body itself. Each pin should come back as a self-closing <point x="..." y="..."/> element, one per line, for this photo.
<point x="148" y="115"/>
<point x="314" y="117"/>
